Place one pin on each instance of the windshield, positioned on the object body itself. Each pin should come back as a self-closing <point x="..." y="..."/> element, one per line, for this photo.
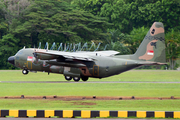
<point x="20" y="52"/>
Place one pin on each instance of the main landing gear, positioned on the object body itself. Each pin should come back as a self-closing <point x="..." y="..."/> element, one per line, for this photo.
<point x="76" y="79"/>
<point x="25" y="71"/>
<point x="84" y="78"/>
<point x="68" y="78"/>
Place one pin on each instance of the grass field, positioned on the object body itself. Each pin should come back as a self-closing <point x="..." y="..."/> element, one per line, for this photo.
<point x="90" y="89"/>
<point x="133" y="75"/>
<point x="146" y="105"/>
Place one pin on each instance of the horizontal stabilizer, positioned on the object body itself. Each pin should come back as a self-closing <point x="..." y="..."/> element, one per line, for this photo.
<point x="151" y="63"/>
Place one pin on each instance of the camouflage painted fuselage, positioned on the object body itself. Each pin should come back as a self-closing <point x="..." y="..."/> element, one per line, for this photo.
<point x="98" y="64"/>
<point x="102" y="67"/>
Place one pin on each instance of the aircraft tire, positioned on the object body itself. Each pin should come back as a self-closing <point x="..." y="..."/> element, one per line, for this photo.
<point x="25" y="71"/>
<point x="84" y="78"/>
<point x="76" y="79"/>
<point x="68" y="78"/>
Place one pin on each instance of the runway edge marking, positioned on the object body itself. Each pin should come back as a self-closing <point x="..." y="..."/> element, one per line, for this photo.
<point x="88" y="113"/>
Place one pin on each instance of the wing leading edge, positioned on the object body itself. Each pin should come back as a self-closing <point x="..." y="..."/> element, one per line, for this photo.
<point x="82" y="55"/>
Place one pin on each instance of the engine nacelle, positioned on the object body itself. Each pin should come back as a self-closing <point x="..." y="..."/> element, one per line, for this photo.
<point x="43" y="56"/>
<point x="57" y="69"/>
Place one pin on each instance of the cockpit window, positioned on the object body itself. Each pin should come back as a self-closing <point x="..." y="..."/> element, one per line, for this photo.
<point x="19" y="52"/>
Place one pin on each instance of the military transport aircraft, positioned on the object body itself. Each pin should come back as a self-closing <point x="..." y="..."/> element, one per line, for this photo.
<point x="99" y="64"/>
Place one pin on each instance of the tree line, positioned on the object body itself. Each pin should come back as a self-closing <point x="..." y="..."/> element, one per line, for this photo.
<point x="122" y="24"/>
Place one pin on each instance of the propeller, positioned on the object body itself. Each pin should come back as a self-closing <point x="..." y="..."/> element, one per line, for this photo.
<point x="35" y="55"/>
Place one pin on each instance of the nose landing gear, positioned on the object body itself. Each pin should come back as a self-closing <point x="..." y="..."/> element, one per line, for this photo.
<point x="25" y="71"/>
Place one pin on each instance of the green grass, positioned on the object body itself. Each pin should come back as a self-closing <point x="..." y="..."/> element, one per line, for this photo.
<point x="146" y="105"/>
<point x="133" y="75"/>
<point x="90" y="89"/>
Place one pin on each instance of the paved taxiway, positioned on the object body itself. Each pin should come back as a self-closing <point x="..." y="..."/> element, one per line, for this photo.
<point x="79" y="82"/>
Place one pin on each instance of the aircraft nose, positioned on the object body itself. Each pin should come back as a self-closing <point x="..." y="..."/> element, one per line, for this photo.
<point x="11" y="60"/>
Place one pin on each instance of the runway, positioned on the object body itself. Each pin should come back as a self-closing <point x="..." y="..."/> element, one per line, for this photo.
<point x="84" y="82"/>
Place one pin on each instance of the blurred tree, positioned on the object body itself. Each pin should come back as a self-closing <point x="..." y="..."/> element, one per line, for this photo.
<point x="15" y="9"/>
<point x="59" y="21"/>
<point x="128" y="14"/>
<point x="3" y="25"/>
<point x="120" y="47"/>
<point x="116" y="42"/>
<point x="146" y="12"/>
<point x="93" y="6"/>
<point x="8" y="47"/>
<point x="172" y="47"/>
<point x="134" y="39"/>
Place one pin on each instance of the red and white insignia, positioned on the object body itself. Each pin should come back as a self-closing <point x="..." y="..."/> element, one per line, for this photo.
<point x="150" y="52"/>
<point x="29" y="58"/>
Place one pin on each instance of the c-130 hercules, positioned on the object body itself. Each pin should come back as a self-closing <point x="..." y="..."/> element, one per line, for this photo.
<point x="98" y="64"/>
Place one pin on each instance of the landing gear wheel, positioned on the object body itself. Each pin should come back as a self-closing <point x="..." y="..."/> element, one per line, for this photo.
<point x="25" y="71"/>
<point x="76" y="79"/>
<point x="68" y="78"/>
<point x="84" y="78"/>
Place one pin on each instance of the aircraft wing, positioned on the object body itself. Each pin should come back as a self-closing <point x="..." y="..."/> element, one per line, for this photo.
<point x="59" y="54"/>
<point x="81" y="55"/>
<point x="103" y="53"/>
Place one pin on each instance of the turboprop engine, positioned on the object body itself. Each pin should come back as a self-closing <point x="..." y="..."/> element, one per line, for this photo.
<point x="45" y="56"/>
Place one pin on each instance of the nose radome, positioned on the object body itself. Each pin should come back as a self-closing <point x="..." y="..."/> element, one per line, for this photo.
<point x="11" y="60"/>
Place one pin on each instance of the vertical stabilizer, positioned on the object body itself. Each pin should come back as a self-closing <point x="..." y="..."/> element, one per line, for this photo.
<point x="152" y="47"/>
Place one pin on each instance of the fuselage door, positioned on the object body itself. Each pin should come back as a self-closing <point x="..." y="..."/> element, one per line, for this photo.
<point x="96" y="70"/>
<point x="30" y="59"/>
<point x="29" y="64"/>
